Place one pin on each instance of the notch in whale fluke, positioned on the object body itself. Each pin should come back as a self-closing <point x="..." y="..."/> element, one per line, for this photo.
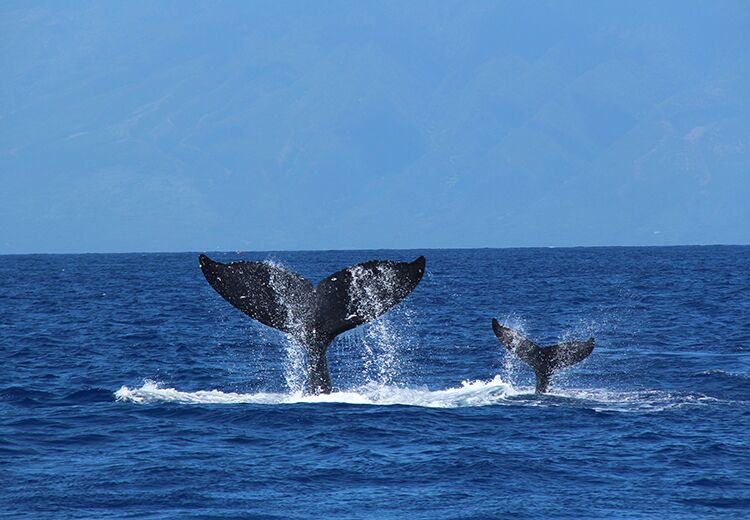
<point x="314" y="316"/>
<point x="544" y="360"/>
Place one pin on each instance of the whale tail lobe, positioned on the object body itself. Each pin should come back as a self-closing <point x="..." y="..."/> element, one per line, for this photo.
<point x="313" y="315"/>
<point x="545" y="361"/>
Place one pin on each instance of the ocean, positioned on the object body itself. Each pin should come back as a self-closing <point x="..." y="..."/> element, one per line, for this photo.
<point x="130" y="389"/>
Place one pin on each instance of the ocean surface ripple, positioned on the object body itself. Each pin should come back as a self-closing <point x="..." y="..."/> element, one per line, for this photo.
<point x="129" y="389"/>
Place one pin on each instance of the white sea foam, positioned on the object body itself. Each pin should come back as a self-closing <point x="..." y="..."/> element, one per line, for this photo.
<point x="646" y="401"/>
<point x="477" y="393"/>
<point x="469" y="394"/>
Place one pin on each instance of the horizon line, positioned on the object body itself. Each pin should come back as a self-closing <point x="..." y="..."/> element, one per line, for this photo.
<point x="240" y="251"/>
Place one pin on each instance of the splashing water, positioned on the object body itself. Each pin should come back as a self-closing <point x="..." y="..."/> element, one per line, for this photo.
<point x="368" y="291"/>
<point x="294" y="364"/>
<point x="584" y="328"/>
<point x="380" y="352"/>
<point x="382" y="339"/>
<point x="512" y="366"/>
<point x="295" y="373"/>
<point x="470" y="394"/>
<point x="476" y="393"/>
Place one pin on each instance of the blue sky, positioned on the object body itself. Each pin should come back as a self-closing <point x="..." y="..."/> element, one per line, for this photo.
<point x="200" y="126"/>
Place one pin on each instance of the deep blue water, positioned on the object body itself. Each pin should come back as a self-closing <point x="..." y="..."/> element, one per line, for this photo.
<point x="129" y="389"/>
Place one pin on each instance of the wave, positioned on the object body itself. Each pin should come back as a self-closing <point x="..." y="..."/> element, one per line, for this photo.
<point x="724" y="373"/>
<point x="24" y="396"/>
<point x="476" y="393"/>
<point x="469" y="394"/>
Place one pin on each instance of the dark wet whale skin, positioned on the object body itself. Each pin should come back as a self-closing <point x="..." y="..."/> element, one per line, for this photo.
<point x="314" y="316"/>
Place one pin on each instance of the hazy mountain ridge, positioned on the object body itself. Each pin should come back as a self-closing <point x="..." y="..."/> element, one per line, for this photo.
<point x="262" y="126"/>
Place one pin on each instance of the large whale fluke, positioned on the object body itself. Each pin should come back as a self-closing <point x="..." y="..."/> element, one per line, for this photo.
<point x="544" y="360"/>
<point x="314" y="316"/>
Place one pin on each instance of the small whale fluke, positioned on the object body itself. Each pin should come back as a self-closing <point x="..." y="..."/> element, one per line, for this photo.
<point x="544" y="360"/>
<point x="314" y="316"/>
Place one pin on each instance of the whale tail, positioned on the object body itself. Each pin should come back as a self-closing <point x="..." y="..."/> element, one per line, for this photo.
<point x="314" y="316"/>
<point x="544" y="360"/>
